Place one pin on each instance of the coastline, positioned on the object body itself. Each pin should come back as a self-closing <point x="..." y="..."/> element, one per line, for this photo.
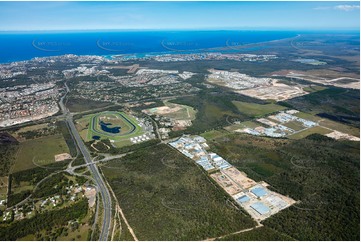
<point x="59" y="44"/>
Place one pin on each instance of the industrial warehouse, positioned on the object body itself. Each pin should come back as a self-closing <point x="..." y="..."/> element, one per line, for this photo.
<point x="253" y="196"/>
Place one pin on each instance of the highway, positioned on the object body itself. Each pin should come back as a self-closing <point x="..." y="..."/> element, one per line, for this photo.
<point x="104" y="192"/>
<point x="107" y="202"/>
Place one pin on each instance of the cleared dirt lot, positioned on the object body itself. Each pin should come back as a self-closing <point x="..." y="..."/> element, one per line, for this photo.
<point x="239" y="177"/>
<point x="278" y="91"/>
<point x="228" y="185"/>
<point x="338" y="135"/>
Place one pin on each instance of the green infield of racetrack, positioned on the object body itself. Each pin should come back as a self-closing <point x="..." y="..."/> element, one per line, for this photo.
<point x="128" y="124"/>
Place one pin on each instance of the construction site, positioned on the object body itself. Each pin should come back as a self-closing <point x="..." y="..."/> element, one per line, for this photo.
<point x="257" y="87"/>
<point x="171" y="116"/>
<point x="253" y="196"/>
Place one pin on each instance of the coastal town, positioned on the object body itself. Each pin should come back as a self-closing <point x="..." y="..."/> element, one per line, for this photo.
<point x="177" y="57"/>
<point x="23" y="103"/>
<point x="36" y="98"/>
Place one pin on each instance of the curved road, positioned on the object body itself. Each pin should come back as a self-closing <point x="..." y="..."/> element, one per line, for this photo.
<point x="106" y="199"/>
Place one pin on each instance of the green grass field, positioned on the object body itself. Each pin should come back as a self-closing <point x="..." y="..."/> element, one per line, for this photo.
<point x="340" y="127"/>
<point x="295" y="125"/>
<point x="165" y="196"/>
<point x="314" y="88"/>
<point x="82" y="125"/>
<point x="40" y="151"/>
<point x="16" y="133"/>
<point x="307" y="116"/>
<point x="81" y="105"/>
<point x="213" y="112"/>
<point x="257" y="110"/>
<point x="330" y="124"/>
<point x="307" y="132"/>
<point x="214" y="134"/>
<point x="89" y="126"/>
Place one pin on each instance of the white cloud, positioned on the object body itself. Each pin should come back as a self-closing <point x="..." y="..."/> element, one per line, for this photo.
<point x="344" y="7"/>
<point x="321" y="8"/>
<point x="347" y="7"/>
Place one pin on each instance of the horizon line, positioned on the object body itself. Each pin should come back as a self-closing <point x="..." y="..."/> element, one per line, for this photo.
<point x="191" y="29"/>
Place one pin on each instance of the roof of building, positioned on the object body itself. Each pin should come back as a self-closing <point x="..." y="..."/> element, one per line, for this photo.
<point x="243" y="199"/>
<point x="259" y="191"/>
<point x="277" y="202"/>
<point x="261" y="208"/>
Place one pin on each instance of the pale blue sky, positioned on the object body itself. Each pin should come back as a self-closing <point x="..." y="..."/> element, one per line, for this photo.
<point x="178" y="15"/>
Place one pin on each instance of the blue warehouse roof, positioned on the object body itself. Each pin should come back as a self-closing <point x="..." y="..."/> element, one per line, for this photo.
<point x="259" y="191"/>
<point x="243" y="199"/>
<point x="261" y="208"/>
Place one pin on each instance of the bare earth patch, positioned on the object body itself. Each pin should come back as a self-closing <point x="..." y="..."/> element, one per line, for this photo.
<point x="90" y="193"/>
<point x="63" y="156"/>
<point x="278" y="91"/>
<point x="339" y="135"/>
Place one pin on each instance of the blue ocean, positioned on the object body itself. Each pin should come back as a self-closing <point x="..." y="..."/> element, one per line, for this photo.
<point x="17" y="46"/>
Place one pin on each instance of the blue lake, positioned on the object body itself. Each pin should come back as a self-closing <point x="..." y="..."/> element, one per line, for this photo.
<point x="96" y="137"/>
<point x="113" y="130"/>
